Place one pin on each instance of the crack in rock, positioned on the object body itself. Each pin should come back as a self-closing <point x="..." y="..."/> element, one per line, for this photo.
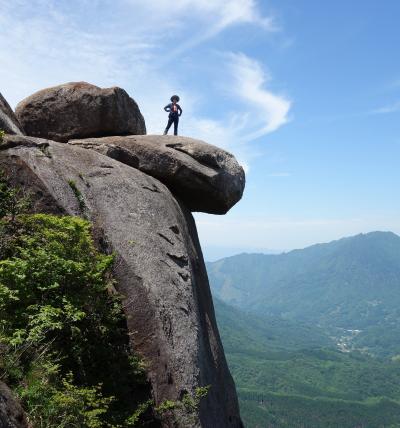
<point x="181" y="260"/>
<point x="166" y="238"/>
<point x="154" y="189"/>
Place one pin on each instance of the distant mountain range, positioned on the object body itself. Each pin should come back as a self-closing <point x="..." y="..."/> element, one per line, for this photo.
<point x="286" y="319"/>
<point x="349" y="288"/>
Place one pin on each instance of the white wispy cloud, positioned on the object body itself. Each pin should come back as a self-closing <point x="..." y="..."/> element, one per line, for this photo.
<point x="268" y="110"/>
<point x="219" y="13"/>
<point x="393" y="84"/>
<point x="390" y="108"/>
<point x="211" y="16"/>
<point x="256" y="112"/>
<point x="127" y="43"/>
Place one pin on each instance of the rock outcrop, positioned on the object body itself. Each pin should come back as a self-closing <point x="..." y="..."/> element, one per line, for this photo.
<point x="8" y="121"/>
<point x="11" y="412"/>
<point x="79" y="110"/>
<point x="206" y="178"/>
<point x="159" y="269"/>
<point x="138" y="191"/>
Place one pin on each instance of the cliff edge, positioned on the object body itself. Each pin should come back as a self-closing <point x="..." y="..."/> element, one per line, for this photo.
<point x="138" y="191"/>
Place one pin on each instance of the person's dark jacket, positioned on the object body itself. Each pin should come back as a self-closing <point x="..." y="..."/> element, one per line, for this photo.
<point x="173" y="112"/>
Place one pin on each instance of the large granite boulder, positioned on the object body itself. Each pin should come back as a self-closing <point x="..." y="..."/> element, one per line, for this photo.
<point x="8" y="121"/>
<point x="159" y="269"/>
<point x="206" y="178"/>
<point x="79" y="110"/>
<point x="11" y="412"/>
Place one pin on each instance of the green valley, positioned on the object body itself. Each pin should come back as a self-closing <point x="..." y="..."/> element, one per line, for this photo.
<point x="288" y="375"/>
<point x="311" y="336"/>
<point x="350" y="288"/>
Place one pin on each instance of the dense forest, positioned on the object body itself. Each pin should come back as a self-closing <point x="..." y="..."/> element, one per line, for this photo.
<point x="290" y="375"/>
<point x="332" y="359"/>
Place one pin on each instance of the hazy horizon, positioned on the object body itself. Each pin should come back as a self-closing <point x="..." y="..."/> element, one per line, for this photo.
<point x="215" y="253"/>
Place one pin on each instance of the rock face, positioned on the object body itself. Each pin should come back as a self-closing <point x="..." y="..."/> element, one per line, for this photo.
<point x="79" y="110"/>
<point x="206" y="178"/>
<point x="160" y="269"/>
<point x="11" y="413"/>
<point x="8" y="121"/>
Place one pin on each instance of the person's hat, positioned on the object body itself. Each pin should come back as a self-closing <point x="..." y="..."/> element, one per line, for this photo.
<point x="175" y="97"/>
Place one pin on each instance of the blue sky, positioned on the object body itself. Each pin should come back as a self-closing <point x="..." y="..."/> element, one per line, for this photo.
<point x="305" y="93"/>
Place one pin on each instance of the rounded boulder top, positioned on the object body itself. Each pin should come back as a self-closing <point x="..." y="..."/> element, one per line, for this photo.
<point x="204" y="177"/>
<point x="80" y="110"/>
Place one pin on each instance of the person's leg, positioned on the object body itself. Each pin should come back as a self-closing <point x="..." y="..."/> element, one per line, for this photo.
<point x="176" y="121"/>
<point x="170" y="121"/>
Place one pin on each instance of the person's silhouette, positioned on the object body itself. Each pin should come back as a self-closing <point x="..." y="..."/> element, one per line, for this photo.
<point x="175" y="111"/>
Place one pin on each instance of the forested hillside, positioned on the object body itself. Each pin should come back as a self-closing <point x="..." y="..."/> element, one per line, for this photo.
<point x="350" y="288"/>
<point x="311" y="336"/>
<point x="289" y="375"/>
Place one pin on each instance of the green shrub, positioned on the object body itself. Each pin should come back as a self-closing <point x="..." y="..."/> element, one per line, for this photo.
<point x="63" y="404"/>
<point x="64" y="345"/>
<point x="192" y="403"/>
<point x="184" y="411"/>
<point x="53" y="288"/>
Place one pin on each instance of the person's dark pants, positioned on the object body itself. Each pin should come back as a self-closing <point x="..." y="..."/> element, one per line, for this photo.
<point x="172" y="120"/>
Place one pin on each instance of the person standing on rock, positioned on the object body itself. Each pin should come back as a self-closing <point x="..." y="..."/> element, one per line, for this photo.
<point x="175" y="111"/>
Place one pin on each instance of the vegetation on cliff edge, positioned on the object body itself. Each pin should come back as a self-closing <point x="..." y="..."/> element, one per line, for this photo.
<point x="64" y="344"/>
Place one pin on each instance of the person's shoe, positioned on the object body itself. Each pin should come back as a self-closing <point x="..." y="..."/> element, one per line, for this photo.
<point x="165" y="133"/>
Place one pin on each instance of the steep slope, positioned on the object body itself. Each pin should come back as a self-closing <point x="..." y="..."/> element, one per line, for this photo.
<point x="160" y="271"/>
<point x="159" y="267"/>
<point x="289" y="375"/>
<point x="247" y="333"/>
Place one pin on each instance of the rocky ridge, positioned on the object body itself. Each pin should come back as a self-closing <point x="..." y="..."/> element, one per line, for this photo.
<point x="139" y="192"/>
